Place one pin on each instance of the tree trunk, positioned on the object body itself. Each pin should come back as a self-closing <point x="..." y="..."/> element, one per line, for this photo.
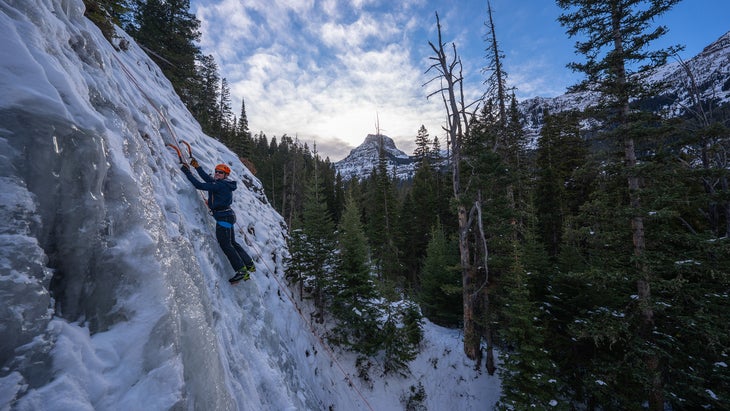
<point x="468" y="280"/>
<point x="457" y="126"/>
<point x="646" y="327"/>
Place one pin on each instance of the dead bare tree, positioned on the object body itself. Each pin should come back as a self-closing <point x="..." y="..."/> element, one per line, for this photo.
<point x="713" y="152"/>
<point x="451" y="80"/>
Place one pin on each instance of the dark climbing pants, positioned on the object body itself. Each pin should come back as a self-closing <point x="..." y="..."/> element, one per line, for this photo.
<point x="225" y="233"/>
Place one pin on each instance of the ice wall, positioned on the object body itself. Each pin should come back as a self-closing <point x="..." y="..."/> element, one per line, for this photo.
<point x="113" y="289"/>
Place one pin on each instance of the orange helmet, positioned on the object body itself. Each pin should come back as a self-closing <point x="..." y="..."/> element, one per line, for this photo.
<point x="224" y="168"/>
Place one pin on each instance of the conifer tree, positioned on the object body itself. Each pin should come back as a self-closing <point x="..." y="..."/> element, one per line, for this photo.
<point x="243" y="143"/>
<point x="339" y="199"/>
<point x="494" y="214"/>
<point x="706" y="145"/>
<point x="169" y="33"/>
<point x="299" y="265"/>
<point x="690" y="261"/>
<point x="382" y="220"/>
<point x="402" y="335"/>
<point x="319" y="231"/>
<point x="422" y="145"/>
<point x="440" y="279"/>
<point x="435" y="150"/>
<point x="449" y="74"/>
<point x="106" y="13"/>
<point x="496" y="81"/>
<point x="334" y="192"/>
<point x="242" y="126"/>
<point x="353" y="294"/>
<point x="225" y="114"/>
<point x="205" y="108"/>
<point x="529" y="376"/>
<point x="419" y="212"/>
<point x="559" y="192"/>
<point x="617" y="37"/>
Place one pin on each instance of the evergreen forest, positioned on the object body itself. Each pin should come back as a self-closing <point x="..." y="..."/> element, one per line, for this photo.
<point x="590" y="271"/>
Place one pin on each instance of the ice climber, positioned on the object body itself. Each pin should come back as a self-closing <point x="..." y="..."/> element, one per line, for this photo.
<point x="220" y="196"/>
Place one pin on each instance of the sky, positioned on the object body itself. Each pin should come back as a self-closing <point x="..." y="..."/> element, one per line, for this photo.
<point x="330" y="72"/>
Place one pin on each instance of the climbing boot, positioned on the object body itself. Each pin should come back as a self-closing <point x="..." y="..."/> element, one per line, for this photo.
<point x="241" y="274"/>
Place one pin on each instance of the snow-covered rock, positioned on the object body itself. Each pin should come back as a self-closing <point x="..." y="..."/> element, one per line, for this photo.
<point x="710" y="71"/>
<point x="364" y="158"/>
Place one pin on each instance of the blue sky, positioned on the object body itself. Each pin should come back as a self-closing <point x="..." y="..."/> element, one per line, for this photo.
<point x="328" y="71"/>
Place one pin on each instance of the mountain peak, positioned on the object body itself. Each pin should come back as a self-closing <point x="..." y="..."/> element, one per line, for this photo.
<point x="721" y="43"/>
<point x="374" y="141"/>
<point x="364" y="158"/>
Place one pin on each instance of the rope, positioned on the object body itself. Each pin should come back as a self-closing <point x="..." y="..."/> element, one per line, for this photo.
<point x="256" y="248"/>
<point x="174" y="143"/>
<point x="324" y="345"/>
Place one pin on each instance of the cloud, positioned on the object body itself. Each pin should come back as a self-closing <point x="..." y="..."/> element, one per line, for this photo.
<point x="355" y="35"/>
<point x="322" y="72"/>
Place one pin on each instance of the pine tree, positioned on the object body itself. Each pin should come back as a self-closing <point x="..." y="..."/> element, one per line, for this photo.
<point x="299" y="265"/>
<point x="422" y="145"/>
<point x="560" y="153"/>
<point x="690" y="262"/>
<point x="382" y="221"/>
<point x="169" y="33"/>
<point x="435" y="151"/>
<point x="225" y="124"/>
<point x="440" y="279"/>
<point x="319" y="231"/>
<point x="529" y="376"/>
<point x="494" y="215"/>
<point x="205" y="108"/>
<point x="353" y="294"/>
<point x="402" y="335"/>
<point x="357" y="306"/>
<point x="243" y="142"/>
<point x="617" y="38"/>
<point x="496" y="82"/>
<point x="105" y="14"/>
<point x="420" y="209"/>
<point x="706" y="144"/>
<point x="242" y="126"/>
<point x="448" y="70"/>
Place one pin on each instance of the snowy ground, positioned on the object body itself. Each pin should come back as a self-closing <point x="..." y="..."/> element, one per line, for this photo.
<point x="148" y="320"/>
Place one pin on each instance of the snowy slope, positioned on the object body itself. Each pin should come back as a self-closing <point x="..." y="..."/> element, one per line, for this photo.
<point x="710" y="69"/>
<point x="94" y="209"/>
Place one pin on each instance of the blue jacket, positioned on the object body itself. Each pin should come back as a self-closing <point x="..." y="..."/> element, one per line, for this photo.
<point x="220" y="192"/>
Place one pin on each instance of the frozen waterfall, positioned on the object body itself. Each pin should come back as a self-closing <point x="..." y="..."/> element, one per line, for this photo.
<point x="114" y="290"/>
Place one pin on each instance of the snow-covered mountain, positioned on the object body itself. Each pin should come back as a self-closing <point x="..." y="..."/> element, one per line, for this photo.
<point x="364" y="158"/>
<point x="710" y="75"/>
<point x="114" y="290"/>
<point x="710" y="71"/>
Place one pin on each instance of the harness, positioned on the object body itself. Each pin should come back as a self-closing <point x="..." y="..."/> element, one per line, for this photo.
<point x="224" y="224"/>
<point x="222" y="212"/>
